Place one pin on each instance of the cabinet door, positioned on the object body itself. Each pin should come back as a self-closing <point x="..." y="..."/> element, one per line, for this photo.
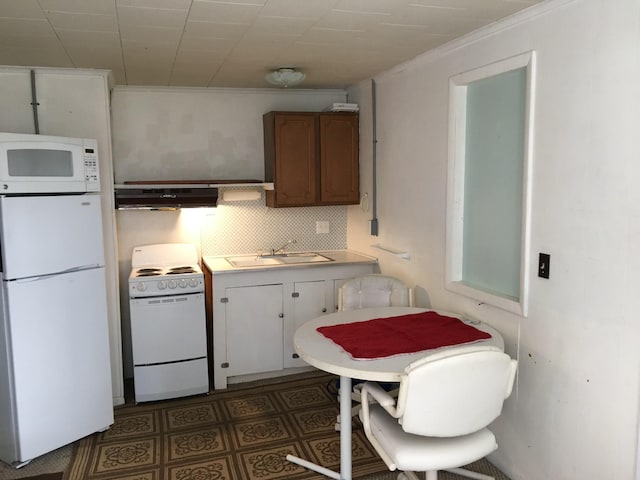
<point x="308" y="303"/>
<point x="294" y="159"/>
<point x="339" y="142"/>
<point x="254" y="321"/>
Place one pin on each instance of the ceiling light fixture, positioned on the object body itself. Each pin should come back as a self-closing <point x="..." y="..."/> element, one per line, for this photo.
<point x="285" y="77"/>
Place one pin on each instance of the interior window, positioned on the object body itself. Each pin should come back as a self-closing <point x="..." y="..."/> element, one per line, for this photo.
<point x="489" y="165"/>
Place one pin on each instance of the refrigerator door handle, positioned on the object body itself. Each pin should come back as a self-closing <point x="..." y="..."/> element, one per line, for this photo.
<point x="63" y="272"/>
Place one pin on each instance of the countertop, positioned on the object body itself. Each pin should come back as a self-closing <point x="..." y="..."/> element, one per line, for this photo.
<point x="219" y="264"/>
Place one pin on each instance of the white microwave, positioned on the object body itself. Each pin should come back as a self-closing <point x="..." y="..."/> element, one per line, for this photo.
<point x="46" y="164"/>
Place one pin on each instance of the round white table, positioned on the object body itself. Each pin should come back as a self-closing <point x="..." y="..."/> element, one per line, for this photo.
<point x="322" y="353"/>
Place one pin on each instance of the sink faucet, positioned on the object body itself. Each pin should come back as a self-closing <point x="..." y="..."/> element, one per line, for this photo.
<point x="281" y="249"/>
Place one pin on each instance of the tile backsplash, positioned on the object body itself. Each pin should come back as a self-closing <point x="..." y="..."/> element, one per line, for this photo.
<point x="249" y="226"/>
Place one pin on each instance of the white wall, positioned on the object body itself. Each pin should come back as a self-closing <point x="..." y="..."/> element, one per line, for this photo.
<point x="574" y="414"/>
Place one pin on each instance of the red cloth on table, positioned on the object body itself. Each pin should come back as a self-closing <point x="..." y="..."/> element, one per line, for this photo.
<point x="384" y="337"/>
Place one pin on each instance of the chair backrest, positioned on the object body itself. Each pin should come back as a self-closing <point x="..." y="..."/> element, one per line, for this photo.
<point x="455" y="392"/>
<point x="374" y="291"/>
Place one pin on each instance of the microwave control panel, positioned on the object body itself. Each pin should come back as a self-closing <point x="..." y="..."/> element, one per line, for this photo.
<point x="92" y="178"/>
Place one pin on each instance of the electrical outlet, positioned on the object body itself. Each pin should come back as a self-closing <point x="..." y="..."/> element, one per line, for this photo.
<point x="544" y="264"/>
<point x="322" y="226"/>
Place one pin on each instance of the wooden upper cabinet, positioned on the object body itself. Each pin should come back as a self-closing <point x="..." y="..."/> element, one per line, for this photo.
<point x="339" y="143"/>
<point x="290" y="156"/>
<point x="312" y="158"/>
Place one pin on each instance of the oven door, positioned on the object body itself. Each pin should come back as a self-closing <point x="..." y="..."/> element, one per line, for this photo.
<point x="168" y="329"/>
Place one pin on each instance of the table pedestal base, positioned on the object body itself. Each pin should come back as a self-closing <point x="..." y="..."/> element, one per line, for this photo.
<point x="345" y="438"/>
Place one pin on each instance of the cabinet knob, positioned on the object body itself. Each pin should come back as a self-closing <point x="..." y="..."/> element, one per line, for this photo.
<point x="324" y="310"/>
<point x="281" y="315"/>
<point x="295" y="355"/>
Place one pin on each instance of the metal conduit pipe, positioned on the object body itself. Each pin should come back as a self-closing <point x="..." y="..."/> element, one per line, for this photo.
<point x="373" y="225"/>
<point x="34" y="102"/>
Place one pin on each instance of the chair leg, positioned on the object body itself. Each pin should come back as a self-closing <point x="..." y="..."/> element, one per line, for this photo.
<point x="469" y="474"/>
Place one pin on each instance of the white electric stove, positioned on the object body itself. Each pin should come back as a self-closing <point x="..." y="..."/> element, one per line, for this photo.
<point x="168" y="331"/>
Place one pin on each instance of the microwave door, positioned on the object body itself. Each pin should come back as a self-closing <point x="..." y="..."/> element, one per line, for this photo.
<point x="42" y="235"/>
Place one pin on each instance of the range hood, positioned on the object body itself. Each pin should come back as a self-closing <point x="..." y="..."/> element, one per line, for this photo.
<point x="174" y="194"/>
<point x="165" y="197"/>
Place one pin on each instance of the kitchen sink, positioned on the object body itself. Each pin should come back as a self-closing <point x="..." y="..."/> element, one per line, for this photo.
<point x="304" y="258"/>
<point x="251" y="261"/>
<point x="243" y="261"/>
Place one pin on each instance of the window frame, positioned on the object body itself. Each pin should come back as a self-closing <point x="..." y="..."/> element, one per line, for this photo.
<point x="458" y="85"/>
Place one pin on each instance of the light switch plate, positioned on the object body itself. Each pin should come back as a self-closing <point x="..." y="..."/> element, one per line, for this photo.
<point x="322" y="226"/>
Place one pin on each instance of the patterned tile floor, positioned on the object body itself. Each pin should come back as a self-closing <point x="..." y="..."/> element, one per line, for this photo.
<point x="240" y="433"/>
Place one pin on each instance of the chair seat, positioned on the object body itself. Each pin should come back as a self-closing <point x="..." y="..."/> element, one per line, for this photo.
<point x="417" y="453"/>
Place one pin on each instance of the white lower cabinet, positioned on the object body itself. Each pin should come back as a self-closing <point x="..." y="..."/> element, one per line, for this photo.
<point x="308" y="300"/>
<point x="254" y="326"/>
<point x="255" y="314"/>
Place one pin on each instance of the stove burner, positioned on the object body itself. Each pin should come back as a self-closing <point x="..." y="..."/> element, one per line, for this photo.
<point x="180" y="270"/>
<point x="148" y="270"/>
<point x="148" y="274"/>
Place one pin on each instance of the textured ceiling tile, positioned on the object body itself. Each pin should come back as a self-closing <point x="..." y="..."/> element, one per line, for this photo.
<point x="329" y="36"/>
<point x="282" y="25"/>
<point x="224" y="12"/>
<point x="217" y="30"/>
<point x="487" y="9"/>
<point x="168" y="4"/>
<point x="150" y="35"/>
<point x="371" y="6"/>
<point x="139" y="57"/>
<point x="296" y="8"/>
<point x="27" y="43"/>
<point x="25" y="28"/>
<point x="83" y="21"/>
<point x="217" y="46"/>
<point x="258" y="3"/>
<point x="254" y="40"/>
<point x="94" y="55"/>
<point x="404" y="34"/>
<point x="347" y="20"/>
<point x="157" y="17"/>
<point x="44" y="56"/>
<point x="20" y="9"/>
<point x="148" y="76"/>
<point x="194" y="66"/>
<point x="260" y="58"/>
<point x="79" y="6"/>
<point x="78" y="38"/>
<point x="197" y="78"/>
<point x="193" y="59"/>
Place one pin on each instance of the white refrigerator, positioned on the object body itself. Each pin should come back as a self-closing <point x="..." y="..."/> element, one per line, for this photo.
<point x="55" y="378"/>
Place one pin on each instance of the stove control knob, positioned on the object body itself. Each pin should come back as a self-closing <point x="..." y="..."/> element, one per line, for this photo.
<point x="193" y="282"/>
<point x="172" y="284"/>
<point x="182" y="283"/>
<point x="162" y="284"/>
<point x="142" y="286"/>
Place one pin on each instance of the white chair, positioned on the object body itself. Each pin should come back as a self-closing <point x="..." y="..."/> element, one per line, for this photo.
<point x="374" y="291"/>
<point x="440" y="418"/>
